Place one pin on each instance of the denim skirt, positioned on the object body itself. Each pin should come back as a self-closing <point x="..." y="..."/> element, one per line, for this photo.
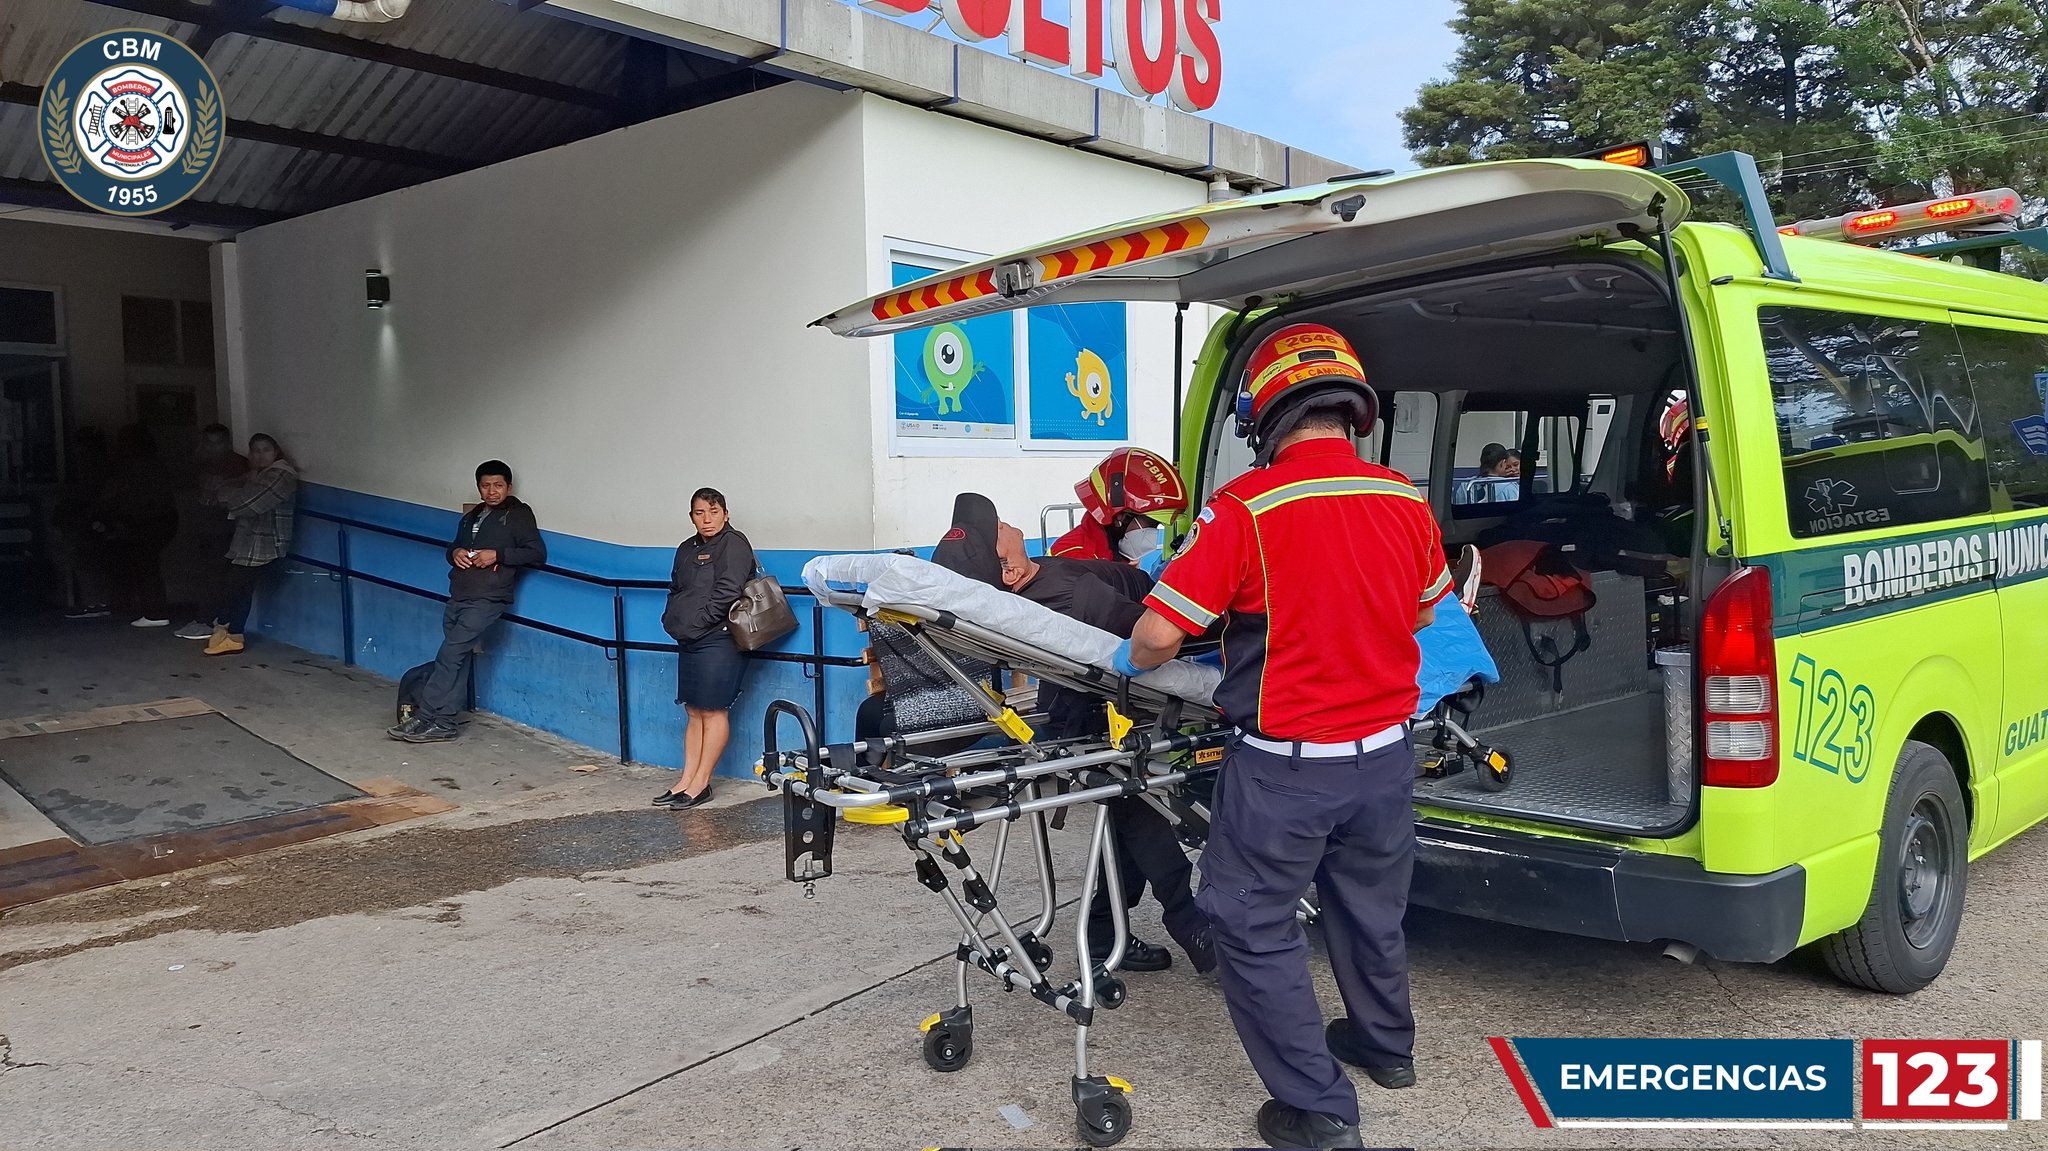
<point x="710" y="673"/>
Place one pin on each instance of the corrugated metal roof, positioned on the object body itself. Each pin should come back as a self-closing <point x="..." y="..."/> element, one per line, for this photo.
<point x="465" y="120"/>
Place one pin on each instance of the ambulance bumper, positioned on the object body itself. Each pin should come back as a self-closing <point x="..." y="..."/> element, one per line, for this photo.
<point x="1606" y="892"/>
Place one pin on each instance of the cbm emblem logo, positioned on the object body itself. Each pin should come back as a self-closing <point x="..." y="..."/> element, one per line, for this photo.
<point x="131" y="122"/>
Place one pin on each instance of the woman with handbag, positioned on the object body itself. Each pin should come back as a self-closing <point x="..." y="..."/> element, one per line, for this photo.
<point x="711" y="573"/>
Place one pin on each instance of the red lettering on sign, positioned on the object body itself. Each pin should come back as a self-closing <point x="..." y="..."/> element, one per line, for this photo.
<point x="1198" y="81"/>
<point x="1035" y="38"/>
<point x="1089" y="55"/>
<point x="977" y="20"/>
<point x="899" y="7"/>
<point x="1145" y="62"/>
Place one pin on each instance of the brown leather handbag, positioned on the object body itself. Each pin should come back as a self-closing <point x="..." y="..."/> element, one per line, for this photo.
<point x="761" y="615"/>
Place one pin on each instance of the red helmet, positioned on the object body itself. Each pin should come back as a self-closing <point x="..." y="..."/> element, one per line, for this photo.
<point x="1133" y="480"/>
<point x="1296" y="359"/>
<point x="1673" y="428"/>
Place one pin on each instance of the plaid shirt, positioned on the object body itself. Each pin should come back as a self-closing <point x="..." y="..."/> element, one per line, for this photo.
<point x="262" y="510"/>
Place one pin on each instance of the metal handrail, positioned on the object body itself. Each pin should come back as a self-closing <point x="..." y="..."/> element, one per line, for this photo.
<point x="615" y="646"/>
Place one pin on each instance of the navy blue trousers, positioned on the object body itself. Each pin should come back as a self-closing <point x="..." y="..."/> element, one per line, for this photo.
<point x="1346" y="825"/>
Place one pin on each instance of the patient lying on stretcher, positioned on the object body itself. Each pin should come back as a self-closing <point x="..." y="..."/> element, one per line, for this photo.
<point x="1109" y="596"/>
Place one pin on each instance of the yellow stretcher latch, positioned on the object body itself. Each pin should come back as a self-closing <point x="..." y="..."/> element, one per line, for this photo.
<point x="1122" y="1085"/>
<point x="1013" y="725"/>
<point x="1120" y="726"/>
<point x="885" y="815"/>
<point x="897" y="617"/>
<point x="927" y="1025"/>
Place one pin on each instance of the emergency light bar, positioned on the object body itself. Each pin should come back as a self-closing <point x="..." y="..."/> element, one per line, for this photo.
<point x="1994" y="210"/>
<point x="1640" y="154"/>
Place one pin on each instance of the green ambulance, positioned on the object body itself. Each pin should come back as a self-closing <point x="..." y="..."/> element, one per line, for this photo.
<point x="1804" y="478"/>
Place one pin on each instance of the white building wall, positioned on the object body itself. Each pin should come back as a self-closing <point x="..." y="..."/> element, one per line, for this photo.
<point x="621" y="320"/>
<point x="945" y="182"/>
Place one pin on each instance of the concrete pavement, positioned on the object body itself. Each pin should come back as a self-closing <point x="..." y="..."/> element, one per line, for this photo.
<point x="557" y="965"/>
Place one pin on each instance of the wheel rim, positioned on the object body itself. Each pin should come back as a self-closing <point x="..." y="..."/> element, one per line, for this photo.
<point x="1926" y="879"/>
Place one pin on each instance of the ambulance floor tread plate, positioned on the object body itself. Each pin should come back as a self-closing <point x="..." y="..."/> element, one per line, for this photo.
<point x="1602" y="764"/>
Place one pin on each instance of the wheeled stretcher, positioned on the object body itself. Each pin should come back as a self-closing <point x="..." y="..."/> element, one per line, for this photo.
<point x="968" y="751"/>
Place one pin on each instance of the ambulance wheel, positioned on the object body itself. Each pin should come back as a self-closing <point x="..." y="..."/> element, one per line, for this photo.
<point x="1104" y="1120"/>
<point x="946" y="1051"/>
<point x="1916" y="903"/>
<point x="1495" y="778"/>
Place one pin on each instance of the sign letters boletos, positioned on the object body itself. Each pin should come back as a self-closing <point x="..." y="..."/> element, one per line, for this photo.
<point x="1156" y="46"/>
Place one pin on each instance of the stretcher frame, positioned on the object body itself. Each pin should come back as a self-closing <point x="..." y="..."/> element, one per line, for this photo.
<point x="1157" y="746"/>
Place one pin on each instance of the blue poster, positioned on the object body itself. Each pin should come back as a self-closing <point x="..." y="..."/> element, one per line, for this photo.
<point x="1080" y="373"/>
<point x="956" y="381"/>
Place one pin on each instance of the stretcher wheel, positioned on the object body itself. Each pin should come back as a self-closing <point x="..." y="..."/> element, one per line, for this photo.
<point x="1491" y="777"/>
<point x="1038" y="949"/>
<point x="1104" y="1119"/>
<point x="947" y="1051"/>
<point x="1109" y="990"/>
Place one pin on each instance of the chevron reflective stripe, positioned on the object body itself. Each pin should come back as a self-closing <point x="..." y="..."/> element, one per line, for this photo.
<point x="1338" y="486"/>
<point x="1189" y="609"/>
<point x="1436" y="590"/>
<point x="1149" y="244"/>
<point x="930" y="297"/>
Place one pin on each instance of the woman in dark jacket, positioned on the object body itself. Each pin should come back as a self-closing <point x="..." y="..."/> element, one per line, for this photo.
<point x="712" y="568"/>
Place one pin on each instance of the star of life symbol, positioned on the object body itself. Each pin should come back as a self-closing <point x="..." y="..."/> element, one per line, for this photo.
<point x="134" y="122"/>
<point x="1831" y="497"/>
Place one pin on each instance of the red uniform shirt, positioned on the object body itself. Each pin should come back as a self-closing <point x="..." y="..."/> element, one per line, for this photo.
<point x="1088" y="541"/>
<point x="1321" y="564"/>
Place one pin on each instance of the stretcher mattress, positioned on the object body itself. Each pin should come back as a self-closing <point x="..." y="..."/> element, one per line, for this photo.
<point x="889" y="580"/>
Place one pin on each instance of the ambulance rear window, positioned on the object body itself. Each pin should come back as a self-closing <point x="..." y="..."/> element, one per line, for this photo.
<point x="1877" y="422"/>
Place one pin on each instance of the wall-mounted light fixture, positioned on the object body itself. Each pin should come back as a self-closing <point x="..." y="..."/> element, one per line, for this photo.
<point x="377" y="287"/>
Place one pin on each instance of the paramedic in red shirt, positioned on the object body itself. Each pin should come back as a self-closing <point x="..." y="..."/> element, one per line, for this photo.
<point x="1129" y="499"/>
<point x="1322" y="568"/>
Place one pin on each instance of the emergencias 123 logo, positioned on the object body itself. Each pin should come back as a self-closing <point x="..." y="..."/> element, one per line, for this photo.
<point x="131" y="122"/>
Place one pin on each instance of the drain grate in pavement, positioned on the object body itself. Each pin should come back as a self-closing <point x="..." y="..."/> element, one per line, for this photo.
<point x="131" y="780"/>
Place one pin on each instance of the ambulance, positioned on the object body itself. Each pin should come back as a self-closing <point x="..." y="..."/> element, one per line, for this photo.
<point x="1797" y="481"/>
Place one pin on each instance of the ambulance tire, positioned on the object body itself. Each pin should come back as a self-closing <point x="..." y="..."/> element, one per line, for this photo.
<point x="1923" y="872"/>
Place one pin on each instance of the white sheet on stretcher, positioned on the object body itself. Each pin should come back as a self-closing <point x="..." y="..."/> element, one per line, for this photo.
<point x="906" y="581"/>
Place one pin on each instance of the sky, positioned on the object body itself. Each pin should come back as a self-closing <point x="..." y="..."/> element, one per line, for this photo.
<point x="1327" y="76"/>
<point x="1331" y="76"/>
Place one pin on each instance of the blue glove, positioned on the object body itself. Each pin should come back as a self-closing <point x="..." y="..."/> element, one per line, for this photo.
<point x="1123" y="663"/>
<point x="1153" y="563"/>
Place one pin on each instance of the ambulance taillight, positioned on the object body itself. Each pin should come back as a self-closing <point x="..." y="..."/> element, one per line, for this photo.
<point x="1738" y="666"/>
<point x="1998" y="208"/>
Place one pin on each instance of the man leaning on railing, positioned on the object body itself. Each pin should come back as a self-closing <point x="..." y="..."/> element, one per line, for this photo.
<point x="494" y="540"/>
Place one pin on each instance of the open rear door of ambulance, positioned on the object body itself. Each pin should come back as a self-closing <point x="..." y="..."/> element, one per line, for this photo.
<point x="1298" y="242"/>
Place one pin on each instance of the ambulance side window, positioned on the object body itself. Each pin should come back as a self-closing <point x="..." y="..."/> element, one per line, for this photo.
<point x="1877" y="423"/>
<point x="2009" y="371"/>
<point x="1410" y="436"/>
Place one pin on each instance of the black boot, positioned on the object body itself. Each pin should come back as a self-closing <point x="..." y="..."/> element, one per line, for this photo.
<point x="1284" y="1126"/>
<point x="1343" y="1041"/>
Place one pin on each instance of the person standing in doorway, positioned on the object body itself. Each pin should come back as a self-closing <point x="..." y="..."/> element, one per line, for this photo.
<point x="261" y="510"/>
<point x="495" y="539"/>
<point x="136" y="521"/>
<point x="1323" y="568"/>
<point x="712" y="569"/>
<point x="221" y="470"/>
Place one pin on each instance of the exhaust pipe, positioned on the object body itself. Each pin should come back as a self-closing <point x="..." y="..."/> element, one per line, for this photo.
<point x="1685" y="953"/>
<point x="353" y="11"/>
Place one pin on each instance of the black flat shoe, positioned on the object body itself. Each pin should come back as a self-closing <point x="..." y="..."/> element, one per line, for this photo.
<point x="681" y="800"/>
<point x="1284" y="1126"/>
<point x="664" y="798"/>
<point x="1342" y="1040"/>
<point x="1141" y="956"/>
